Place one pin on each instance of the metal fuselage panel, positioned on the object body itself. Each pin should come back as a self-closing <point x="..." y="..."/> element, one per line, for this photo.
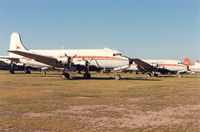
<point x="101" y="58"/>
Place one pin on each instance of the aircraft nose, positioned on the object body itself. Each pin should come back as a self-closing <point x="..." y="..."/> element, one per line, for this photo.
<point x="130" y="61"/>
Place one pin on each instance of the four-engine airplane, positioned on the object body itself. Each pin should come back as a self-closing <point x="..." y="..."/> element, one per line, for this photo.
<point x="70" y="60"/>
<point x="158" y="66"/>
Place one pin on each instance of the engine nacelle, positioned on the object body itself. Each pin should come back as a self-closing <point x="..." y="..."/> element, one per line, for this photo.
<point x="63" y="60"/>
<point x="155" y="65"/>
<point x="8" y="62"/>
<point x="80" y="62"/>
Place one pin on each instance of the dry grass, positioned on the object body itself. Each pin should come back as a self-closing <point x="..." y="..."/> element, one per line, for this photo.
<point x="136" y="103"/>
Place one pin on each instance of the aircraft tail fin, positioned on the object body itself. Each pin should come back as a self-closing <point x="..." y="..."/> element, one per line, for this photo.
<point x="187" y="62"/>
<point x="197" y="63"/>
<point x="16" y="44"/>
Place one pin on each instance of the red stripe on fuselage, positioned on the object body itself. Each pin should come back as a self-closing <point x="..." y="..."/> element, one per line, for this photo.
<point x="91" y="57"/>
<point x="166" y="64"/>
<point x="97" y="57"/>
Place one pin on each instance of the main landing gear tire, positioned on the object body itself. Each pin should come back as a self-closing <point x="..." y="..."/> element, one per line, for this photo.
<point x="87" y="76"/>
<point x="65" y="76"/>
<point x="12" y="72"/>
<point x="28" y="72"/>
<point x="149" y="75"/>
<point x="117" y="77"/>
<point x="155" y="75"/>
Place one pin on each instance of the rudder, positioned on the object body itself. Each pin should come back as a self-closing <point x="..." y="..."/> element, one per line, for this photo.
<point x="16" y="43"/>
<point x="187" y="62"/>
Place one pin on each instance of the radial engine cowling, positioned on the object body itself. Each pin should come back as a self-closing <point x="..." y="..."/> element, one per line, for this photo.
<point x="63" y="60"/>
<point x="155" y="65"/>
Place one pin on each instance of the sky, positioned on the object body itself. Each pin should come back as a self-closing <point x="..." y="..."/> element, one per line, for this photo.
<point x="146" y="29"/>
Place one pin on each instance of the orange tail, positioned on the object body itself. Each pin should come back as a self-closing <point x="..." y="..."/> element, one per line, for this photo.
<point x="187" y="62"/>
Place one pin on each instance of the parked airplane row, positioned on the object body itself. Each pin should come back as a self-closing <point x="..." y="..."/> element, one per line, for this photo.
<point x="85" y="60"/>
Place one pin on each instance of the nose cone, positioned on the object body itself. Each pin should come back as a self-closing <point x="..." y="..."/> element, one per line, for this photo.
<point x="130" y="61"/>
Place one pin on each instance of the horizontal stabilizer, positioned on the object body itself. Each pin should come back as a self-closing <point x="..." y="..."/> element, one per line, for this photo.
<point x="15" y="59"/>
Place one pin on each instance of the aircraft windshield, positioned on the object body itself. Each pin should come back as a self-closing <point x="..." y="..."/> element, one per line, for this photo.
<point x="117" y="54"/>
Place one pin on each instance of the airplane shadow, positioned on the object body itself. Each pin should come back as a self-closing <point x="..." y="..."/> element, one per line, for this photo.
<point x="167" y="76"/>
<point x="94" y="78"/>
<point x="111" y="78"/>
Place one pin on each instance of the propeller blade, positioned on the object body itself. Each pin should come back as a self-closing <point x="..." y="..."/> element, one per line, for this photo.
<point x="74" y="56"/>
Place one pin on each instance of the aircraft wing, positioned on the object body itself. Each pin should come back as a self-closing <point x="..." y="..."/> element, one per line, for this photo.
<point x="40" y="58"/>
<point x="143" y="66"/>
<point x="10" y="58"/>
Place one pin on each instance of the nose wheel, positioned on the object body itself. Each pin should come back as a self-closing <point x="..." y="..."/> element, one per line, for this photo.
<point x="44" y="72"/>
<point x="117" y="77"/>
<point x="179" y="75"/>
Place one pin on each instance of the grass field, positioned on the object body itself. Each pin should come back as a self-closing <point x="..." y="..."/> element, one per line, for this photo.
<point x="136" y="103"/>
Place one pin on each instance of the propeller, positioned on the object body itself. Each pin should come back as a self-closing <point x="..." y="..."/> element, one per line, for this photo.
<point x="130" y="60"/>
<point x="87" y="64"/>
<point x="70" y="61"/>
<point x="188" y="68"/>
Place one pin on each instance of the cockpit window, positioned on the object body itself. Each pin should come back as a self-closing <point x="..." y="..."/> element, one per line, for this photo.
<point x="117" y="54"/>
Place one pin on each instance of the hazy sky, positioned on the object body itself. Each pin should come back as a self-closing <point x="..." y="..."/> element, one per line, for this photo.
<point x="150" y="29"/>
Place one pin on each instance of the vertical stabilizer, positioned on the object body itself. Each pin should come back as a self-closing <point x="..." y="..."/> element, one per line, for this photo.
<point x="16" y="44"/>
<point x="187" y="62"/>
<point x="197" y="63"/>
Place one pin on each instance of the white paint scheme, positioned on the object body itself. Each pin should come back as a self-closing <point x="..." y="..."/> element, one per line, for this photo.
<point x="6" y="61"/>
<point x="100" y="58"/>
<point x="171" y="65"/>
<point x="193" y="68"/>
<point x="15" y="44"/>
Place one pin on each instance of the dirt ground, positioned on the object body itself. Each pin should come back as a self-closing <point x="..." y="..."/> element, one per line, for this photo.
<point x="37" y="103"/>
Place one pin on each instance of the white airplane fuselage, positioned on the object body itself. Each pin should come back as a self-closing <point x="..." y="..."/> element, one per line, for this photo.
<point x="171" y="65"/>
<point x="100" y="58"/>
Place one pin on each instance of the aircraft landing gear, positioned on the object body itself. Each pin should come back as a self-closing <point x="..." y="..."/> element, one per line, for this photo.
<point x="28" y="71"/>
<point x="11" y="68"/>
<point x="12" y="71"/>
<point x="117" y="77"/>
<point x="179" y="75"/>
<point x="87" y="76"/>
<point x="65" y="76"/>
<point x="44" y="72"/>
<point x="148" y="74"/>
<point x="155" y="75"/>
